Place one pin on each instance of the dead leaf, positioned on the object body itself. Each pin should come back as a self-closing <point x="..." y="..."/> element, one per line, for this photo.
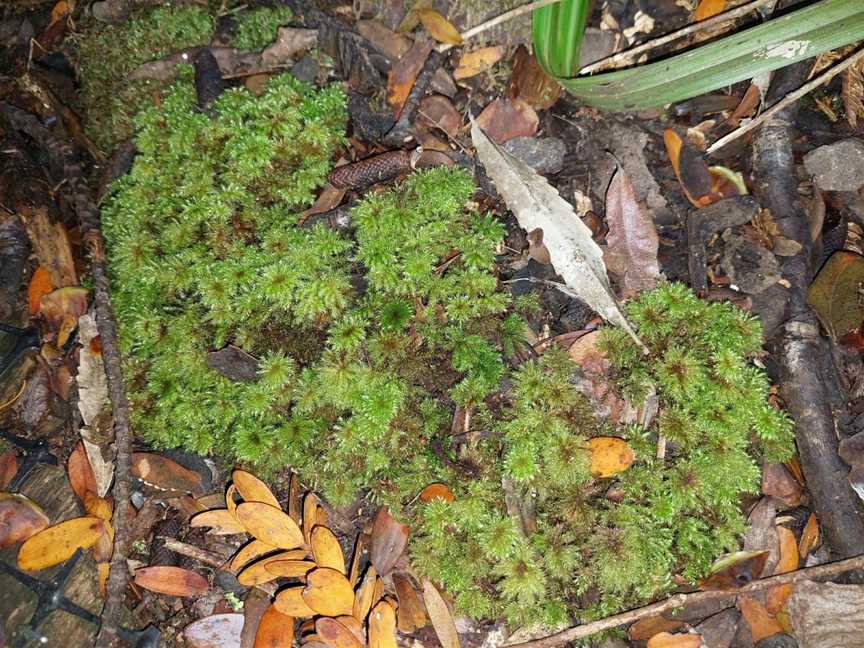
<point x="61" y="310"/>
<point x="436" y="491"/>
<point x="20" y="518"/>
<point x="708" y="8"/>
<point x="747" y="108"/>
<point x="275" y="630"/>
<point x="536" y="249"/>
<point x="40" y="284"/>
<point x="853" y="93"/>
<point x="165" y="474"/>
<point x="530" y="83"/>
<point x="651" y="626"/>
<point x="809" y="537"/>
<point x="249" y="552"/>
<point x="290" y="601"/>
<point x="411" y="614"/>
<point x="678" y="640"/>
<point x="734" y="570"/>
<point x="215" y="631"/>
<point x="328" y="199"/>
<point x="328" y="592"/>
<point x="290" y="41"/>
<point x="609" y="456"/>
<point x="401" y="78"/>
<point x="504" y="119"/>
<point x="8" y="467"/>
<point x="51" y="246"/>
<point x="325" y="549"/>
<point x="382" y="626"/>
<point x="632" y="241"/>
<point x="310" y="516"/>
<point x="290" y="568"/>
<point x="833" y="295"/>
<point x="57" y="543"/>
<point x="690" y="168"/>
<point x="173" y="581"/>
<point x="270" y="524"/>
<point x="80" y="473"/>
<point x="436" y="111"/>
<point x="221" y="521"/>
<point x="364" y="594"/>
<point x="257" y="572"/>
<point x="438" y="26"/>
<point x="91" y="379"/>
<point x="473" y="63"/>
<point x="441" y="616"/>
<point x="777" y="596"/>
<point x="779" y="482"/>
<point x="762" y="623"/>
<point x="252" y="489"/>
<point x="387" y="542"/>
<point x="411" y="19"/>
<point x="294" y="509"/>
<point x="392" y="44"/>
<point x="334" y="634"/>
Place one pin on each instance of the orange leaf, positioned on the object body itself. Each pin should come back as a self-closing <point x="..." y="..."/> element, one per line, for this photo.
<point x="809" y="537"/>
<point x="473" y="63"/>
<point x="294" y="499"/>
<point x="290" y="601"/>
<point x="20" y="518"/>
<point x="438" y="26"/>
<point x="680" y="640"/>
<point x="270" y="524"/>
<point x="40" y="284"/>
<point x="328" y="592"/>
<point x="252" y="489"/>
<point x="363" y="597"/>
<point x="164" y="473"/>
<point x="382" y="626"/>
<point x="690" y="169"/>
<point x="290" y="568"/>
<point x="334" y="634"/>
<point x="388" y="541"/>
<point x="737" y="569"/>
<point x="761" y="623"/>
<point x="250" y="551"/>
<point x="436" y="491"/>
<point x="325" y="549"/>
<point x="221" y="521"/>
<point x="80" y="472"/>
<point x="257" y="572"/>
<point x="648" y="627"/>
<point x="56" y="544"/>
<point x="60" y="10"/>
<point x="275" y="630"/>
<point x="401" y="77"/>
<point x="708" y="8"/>
<point x="440" y="615"/>
<point x="609" y="456"/>
<point x="98" y="506"/>
<point x="411" y="615"/>
<point x="173" y="581"/>
<point x="777" y="596"/>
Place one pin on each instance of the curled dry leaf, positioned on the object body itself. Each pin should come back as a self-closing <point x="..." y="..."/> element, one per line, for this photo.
<point x="438" y="26"/>
<point x="325" y="549"/>
<point x="382" y="626"/>
<point x="436" y="491"/>
<point x="270" y="524"/>
<point x="328" y="592"/>
<point x="275" y="630"/>
<point x="411" y="615"/>
<point x="20" y="518"/>
<point x="777" y="596"/>
<point x="609" y="456"/>
<point x="290" y="601"/>
<point x="173" y="581"/>
<point x="388" y="541"/>
<point x="440" y="615"/>
<point x="57" y="543"/>
<point x="252" y="489"/>
<point x="220" y="520"/>
<point x="310" y="516"/>
<point x="504" y="119"/>
<point x="334" y="634"/>
<point x="249" y="552"/>
<point x="61" y="310"/>
<point x="164" y="473"/>
<point x="363" y="597"/>
<point x="80" y="472"/>
<point x="257" y="572"/>
<point x="473" y="63"/>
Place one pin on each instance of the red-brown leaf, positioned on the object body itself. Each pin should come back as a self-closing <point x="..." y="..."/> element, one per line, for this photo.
<point x="164" y="473"/>
<point x="404" y="73"/>
<point x="8" y="467"/>
<point x="80" y="472"/>
<point x="504" y="119"/>
<point x="173" y="581"/>
<point x="388" y="541"/>
<point x="275" y="630"/>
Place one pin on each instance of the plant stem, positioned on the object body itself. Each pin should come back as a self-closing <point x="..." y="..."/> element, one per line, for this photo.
<point x="628" y="57"/>
<point x="792" y="97"/>
<point x="683" y="600"/>
<point x="497" y="20"/>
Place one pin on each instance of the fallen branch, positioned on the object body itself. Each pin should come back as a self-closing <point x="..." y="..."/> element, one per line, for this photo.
<point x="693" y="598"/>
<point x="203" y="556"/>
<point x="64" y="163"/>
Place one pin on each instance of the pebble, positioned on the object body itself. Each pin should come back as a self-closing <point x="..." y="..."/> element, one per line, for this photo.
<point x="838" y="166"/>
<point x="543" y="154"/>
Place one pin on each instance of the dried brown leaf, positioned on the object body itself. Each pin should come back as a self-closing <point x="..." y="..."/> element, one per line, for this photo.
<point x="530" y="83"/>
<point x="477" y="61"/>
<point x="270" y="524"/>
<point x="173" y="581"/>
<point x="438" y="26"/>
<point x="165" y="474"/>
<point x="388" y="541"/>
<point x="504" y="119"/>
<point x="401" y="78"/>
<point x="441" y="616"/>
<point x="20" y="518"/>
<point x="275" y="630"/>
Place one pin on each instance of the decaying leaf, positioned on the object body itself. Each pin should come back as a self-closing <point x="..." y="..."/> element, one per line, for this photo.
<point x="677" y="640"/>
<point x="328" y="592"/>
<point x="329" y="198"/>
<point x="221" y="521"/>
<point x="504" y="119"/>
<point x="438" y="26"/>
<point x="734" y="570"/>
<point x="437" y="111"/>
<point x="363" y="595"/>
<point x="477" y="61"/>
<point x="164" y="473"/>
<point x="778" y="482"/>
<point x="530" y="83"/>
<point x="632" y="241"/>
<point x="382" y="626"/>
<point x="270" y="524"/>
<point x="833" y="295"/>
<point x="809" y="537"/>
<point x="214" y="631"/>
<point x="392" y="44"/>
<point x="252" y="489"/>
<point x="289" y="42"/>
<point x="80" y="473"/>
<point x="777" y="596"/>
<point x="275" y="630"/>
<point x="57" y="543"/>
<point x="326" y="549"/>
<point x="436" y="491"/>
<point x="762" y="623"/>
<point x="173" y="581"/>
<point x="61" y="309"/>
<point x="402" y="76"/>
<point x="708" y="8"/>
<point x="290" y="601"/>
<point x="249" y="552"/>
<point x="388" y="541"/>
<point x="411" y="614"/>
<point x="645" y="629"/>
<point x="20" y="518"/>
<point x="8" y="467"/>
<point x="335" y="634"/>
<point x="40" y="285"/>
<point x="258" y="571"/>
<point x="609" y="456"/>
<point x="536" y="203"/>
<point x="440" y="615"/>
<point x="91" y="379"/>
<point x="853" y="92"/>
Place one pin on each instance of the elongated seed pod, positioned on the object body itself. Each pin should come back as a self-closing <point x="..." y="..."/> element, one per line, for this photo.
<point x="376" y="168"/>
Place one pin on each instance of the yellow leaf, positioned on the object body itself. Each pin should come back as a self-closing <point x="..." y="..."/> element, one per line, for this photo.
<point x="310" y="510"/>
<point x="363" y="597"/>
<point x="275" y="630"/>
<point x="328" y="592"/>
<point x="762" y="623"/>
<point x="678" y="640"/>
<point x="290" y="568"/>
<point x="382" y="626"/>
<point x="473" y="63"/>
<point x="440" y="615"/>
<point x="777" y="596"/>
<point x="102" y="570"/>
<point x="252" y="489"/>
<point x="270" y="524"/>
<point x="410" y="613"/>
<point x="290" y="601"/>
<point x="221" y="521"/>
<point x="257" y="573"/>
<point x="438" y="26"/>
<point x="250" y="551"/>
<point x="56" y="544"/>
<point x="97" y="506"/>
<point x="609" y="456"/>
<point x="333" y="633"/>
<point x="325" y="549"/>
<point x="230" y="502"/>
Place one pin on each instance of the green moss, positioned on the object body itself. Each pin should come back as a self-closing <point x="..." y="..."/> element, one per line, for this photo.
<point x="257" y="28"/>
<point x="358" y="379"/>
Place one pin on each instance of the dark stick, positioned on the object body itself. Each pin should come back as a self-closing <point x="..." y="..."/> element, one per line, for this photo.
<point x="64" y="160"/>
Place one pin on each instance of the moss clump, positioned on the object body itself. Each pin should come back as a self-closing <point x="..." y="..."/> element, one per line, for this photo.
<point x="105" y="55"/>
<point x="257" y="28"/>
<point x="365" y="344"/>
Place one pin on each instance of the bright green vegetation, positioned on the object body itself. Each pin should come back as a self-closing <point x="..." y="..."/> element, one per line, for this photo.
<point x="367" y="342"/>
<point x="256" y="28"/>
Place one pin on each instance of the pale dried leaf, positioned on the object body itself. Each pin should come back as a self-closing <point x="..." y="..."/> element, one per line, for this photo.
<point x="440" y="615"/>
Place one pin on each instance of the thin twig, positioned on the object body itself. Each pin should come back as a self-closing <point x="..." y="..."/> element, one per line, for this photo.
<point x="628" y="56"/>
<point x="693" y="598"/>
<point x="497" y="20"/>
<point x="792" y="97"/>
<point x="203" y="556"/>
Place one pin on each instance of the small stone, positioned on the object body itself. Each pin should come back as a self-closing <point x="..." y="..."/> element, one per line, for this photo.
<point x="777" y="641"/>
<point x="543" y="154"/>
<point x="718" y="631"/>
<point x="306" y="69"/>
<point x="837" y="167"/>
<point x="233" y="363"/>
